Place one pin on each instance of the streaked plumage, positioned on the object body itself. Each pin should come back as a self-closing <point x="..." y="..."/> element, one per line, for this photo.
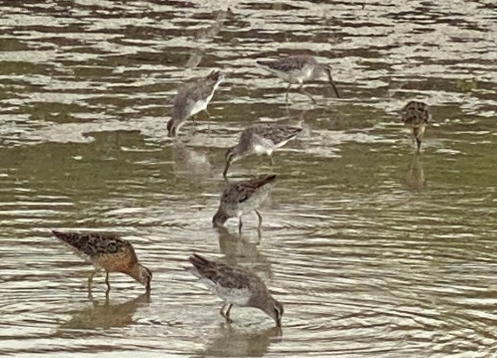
<point x="241" y="198"/>
<point x="106" y="252"/>
<point x="235" y="286"/>
<point x="260" y="138"/>
<point x="297" y="70"/>
<point x="192" y="98"/>
<point x="416" y="115"/>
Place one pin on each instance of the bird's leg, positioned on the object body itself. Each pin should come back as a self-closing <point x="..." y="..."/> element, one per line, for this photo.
<point x="260" y="219"/>
<point x="90" y="279"/>
<point x="417" y="133"/>
<point x="418" y="143"/>
<point x="208" y="120"/>
<point x="226" y="315"/>
<point x="271" y="161"/>
<point x="413" y="140"/>
<point x="107" y="281"/>
<point x="302" y="90"/>
<point x="240" y="225"/>
<point x="225" y="172"/>
<point x="287" y="91"/>
<point x="259" y="236"/>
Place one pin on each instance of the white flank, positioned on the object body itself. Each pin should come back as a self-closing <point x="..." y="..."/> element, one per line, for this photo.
<point x="201" y="105"/>
<point x="281" y="144"/>
<point x="261" y="149"/>
<point x="233" y="295"/>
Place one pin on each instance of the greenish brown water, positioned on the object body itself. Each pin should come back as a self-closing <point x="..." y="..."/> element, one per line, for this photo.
<point x="374" y="252"/>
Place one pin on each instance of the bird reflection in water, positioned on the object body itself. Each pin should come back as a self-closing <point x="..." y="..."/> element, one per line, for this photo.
<point x="189" y="163"/>
<point x="106" y="315"/>
<point x="415" y="177"/>
<point x="240" y="250"/>
<point x="208" y="33"/>
<point x="237" y="342"/>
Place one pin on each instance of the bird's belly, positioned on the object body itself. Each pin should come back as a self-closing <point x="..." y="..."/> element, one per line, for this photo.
<point x="260" y="149"/>
<point x="239" y="297"/>
<point x="199" y="106"/>
<point x="281" y="144"/>
<point x="254" y="201"/>
<point x="112" y="262"/>
<point x="299" y="76"/>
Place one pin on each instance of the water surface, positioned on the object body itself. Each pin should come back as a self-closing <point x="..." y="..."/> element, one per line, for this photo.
<point x="374" y="251"/>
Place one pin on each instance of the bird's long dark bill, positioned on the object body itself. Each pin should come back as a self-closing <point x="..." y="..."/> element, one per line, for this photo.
<point x="332" y="83"/>
<point x="226" y="169"/>
<point x="335" y="89"/>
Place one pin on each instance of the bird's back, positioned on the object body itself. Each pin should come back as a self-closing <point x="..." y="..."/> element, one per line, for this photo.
<point x="416" y="113"/>
<point x="246" y="195"/>
<point x="193" y="92"/>
<point x="289" y="64"/>
<point x="276" y="132"/>
<point x="98" y="247"/>
<point x="223" y="275"/>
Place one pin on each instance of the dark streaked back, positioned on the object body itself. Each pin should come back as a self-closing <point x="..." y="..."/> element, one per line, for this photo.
<point x="244" y="190"/>
<point x="224" y="275"/>
<point x="94" y="245"/>
<point x="290" y="63"/>
<point x="274" y="131"/>
<point x="416" y="113"/>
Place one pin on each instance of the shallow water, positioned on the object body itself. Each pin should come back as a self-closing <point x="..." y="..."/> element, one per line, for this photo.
<point x="374" y="251"/>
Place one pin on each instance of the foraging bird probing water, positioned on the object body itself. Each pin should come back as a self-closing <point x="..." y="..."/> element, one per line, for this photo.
<point x="106" y="252"/>
<point x="260" y="138"/>
<point x="192" y="98"/>
<point x="235" y="286"/>
<point x="241" y="198"/>
<point x="297" y="70"/>
<point x="416" y="115"/>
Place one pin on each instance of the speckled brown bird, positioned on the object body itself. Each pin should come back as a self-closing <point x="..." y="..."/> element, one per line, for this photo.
<point x="192" y="98"/>
<point x="260" y="138"/>
<point x="241" y="198"/>
<point x="298" y="69"/>
<point x="106" y="252"/>
<point x="235" y="286"/>
<point x="416" y="115"/>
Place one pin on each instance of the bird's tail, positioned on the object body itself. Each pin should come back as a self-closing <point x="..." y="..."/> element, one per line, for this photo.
<point x="199" y="261"/>
<point x="68" y="237"/>
<point x="263" y="180"/>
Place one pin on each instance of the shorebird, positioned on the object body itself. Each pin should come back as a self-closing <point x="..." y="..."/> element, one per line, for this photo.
<point x="297" y="70"/>
<point x="241" y="198"/>
<point x="415" y="115"/>
<point x="192" y="98"/>
<point x="235" y="286"/>
<point x="106" y="252"/>
<point x="260" y="138"/>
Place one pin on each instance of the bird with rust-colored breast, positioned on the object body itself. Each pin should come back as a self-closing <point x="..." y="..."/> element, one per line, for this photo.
<point x="106" y="252"/>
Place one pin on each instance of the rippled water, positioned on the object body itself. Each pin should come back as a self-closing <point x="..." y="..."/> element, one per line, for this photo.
<point x="375" y="252"/>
